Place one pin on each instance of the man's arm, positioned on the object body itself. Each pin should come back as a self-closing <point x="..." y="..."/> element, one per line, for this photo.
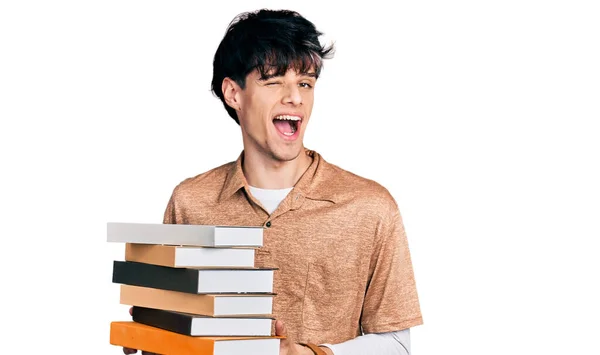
<point x="392" y="343"/>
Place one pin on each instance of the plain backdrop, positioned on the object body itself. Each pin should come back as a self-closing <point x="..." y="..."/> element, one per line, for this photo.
<point x="480" y="117"/>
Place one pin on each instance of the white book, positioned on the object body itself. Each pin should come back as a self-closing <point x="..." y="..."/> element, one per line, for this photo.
<point x="241" y="281"/>
<point x="247" y="347"/>
<point x="185" y="234"/>
<point x="240" y="305"/>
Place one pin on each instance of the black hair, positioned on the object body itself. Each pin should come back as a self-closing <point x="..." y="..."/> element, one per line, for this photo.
<point x="270" y="41"/>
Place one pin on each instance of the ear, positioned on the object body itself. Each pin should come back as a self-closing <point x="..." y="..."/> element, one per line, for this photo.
<point x="231" y="93"/>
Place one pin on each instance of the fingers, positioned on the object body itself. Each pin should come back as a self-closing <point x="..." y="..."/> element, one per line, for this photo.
<point x="286" y="346"/>
<point x="279" y="328"/>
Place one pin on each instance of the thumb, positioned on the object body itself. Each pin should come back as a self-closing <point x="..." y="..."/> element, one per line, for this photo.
<point x="130" y="311"/>
<point x="280" y="328"/>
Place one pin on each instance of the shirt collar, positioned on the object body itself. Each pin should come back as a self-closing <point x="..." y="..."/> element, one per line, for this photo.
<point x="314" y="184"/>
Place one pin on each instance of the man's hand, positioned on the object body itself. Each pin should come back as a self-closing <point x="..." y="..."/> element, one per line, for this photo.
<point x="289" y="347"/>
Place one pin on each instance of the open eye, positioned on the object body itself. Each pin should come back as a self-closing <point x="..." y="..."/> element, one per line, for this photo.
<point x="306" y="85"/>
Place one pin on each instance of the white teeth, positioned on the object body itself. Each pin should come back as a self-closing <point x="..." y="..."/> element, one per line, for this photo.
<point x="288" y="134"/>
<point x="287" y="118"/>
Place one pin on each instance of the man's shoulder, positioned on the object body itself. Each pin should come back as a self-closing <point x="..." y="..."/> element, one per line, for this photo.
<point x="350" y="187"/>
<point x="206" y="185"/>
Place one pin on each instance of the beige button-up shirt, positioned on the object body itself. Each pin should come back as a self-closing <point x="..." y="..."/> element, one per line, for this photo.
<point x="337" y="240"/>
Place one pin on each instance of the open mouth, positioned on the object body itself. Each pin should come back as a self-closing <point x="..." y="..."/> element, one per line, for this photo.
<point x="287" y="124"/>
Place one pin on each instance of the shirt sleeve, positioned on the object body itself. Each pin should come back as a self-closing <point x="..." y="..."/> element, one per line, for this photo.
<point x="173" y="212"/>
<point x="169" y="215"/>
<point x="392" y="343"/>
<point x="391" y="301"/>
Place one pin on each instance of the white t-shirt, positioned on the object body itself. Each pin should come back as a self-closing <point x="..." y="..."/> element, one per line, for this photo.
<point x="270" y="198"/>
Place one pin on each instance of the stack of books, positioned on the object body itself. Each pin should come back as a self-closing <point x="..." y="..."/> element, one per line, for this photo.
<point x="194" y="289"/>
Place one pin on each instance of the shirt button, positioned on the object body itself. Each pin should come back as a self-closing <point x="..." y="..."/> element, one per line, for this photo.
<point x="268" y="224"/>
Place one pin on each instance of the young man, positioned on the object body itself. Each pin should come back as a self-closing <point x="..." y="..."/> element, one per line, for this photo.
<point x="336" y="238"/>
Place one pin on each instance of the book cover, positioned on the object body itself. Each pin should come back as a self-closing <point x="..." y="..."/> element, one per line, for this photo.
<point x="185" y="234"/>
<point x="147" y="338"/>
<point x="198" y="325"/>
<point x="209" y="305"/>
<point x="190" y="257"/>
<point x="203" y="281"/>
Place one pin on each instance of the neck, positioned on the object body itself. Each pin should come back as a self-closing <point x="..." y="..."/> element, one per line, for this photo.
<point x="267" y="173"/>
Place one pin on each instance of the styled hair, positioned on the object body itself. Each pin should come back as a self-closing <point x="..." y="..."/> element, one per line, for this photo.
<point x="270" y="41"/>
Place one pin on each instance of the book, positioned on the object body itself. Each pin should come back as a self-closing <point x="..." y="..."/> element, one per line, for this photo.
<point x="147" y="338"/>
<point x="185" y="234"/>
<point x="187" y="256"/>
<point x="208" y="305"/>
<point x="198" y="325"/>
<point x="256" y="280"/>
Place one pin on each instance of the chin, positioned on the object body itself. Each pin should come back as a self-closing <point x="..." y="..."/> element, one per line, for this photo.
<point x="288" y="154"/>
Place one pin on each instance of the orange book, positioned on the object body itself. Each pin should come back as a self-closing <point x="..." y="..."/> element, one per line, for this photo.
<point x="209" y="305"/>
<point x="143" y="337"/>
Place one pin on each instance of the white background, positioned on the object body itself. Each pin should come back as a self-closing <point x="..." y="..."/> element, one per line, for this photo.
<point x="480" y="117"/>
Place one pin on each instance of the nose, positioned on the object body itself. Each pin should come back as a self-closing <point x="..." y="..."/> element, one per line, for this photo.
<point x="292" y="95"/>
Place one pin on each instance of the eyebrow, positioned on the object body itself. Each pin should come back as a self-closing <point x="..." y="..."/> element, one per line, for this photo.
<point x="267" y="77"/>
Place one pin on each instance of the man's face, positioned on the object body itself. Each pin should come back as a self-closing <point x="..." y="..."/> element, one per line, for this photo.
<point x="274" y="112"/>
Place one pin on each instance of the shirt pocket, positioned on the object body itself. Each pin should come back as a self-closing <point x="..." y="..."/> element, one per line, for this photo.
<point x="331" y="297"/>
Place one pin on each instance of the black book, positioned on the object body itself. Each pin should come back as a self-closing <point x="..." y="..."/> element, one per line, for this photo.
<point x="199" y="281"/>
<point x="197" y="325"/>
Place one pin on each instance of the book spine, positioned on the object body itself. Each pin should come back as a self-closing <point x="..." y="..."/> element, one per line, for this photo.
<point x="155" y="276"/>
<point x="146" y="338"/>
<point x="170" y="234"/>
<point x="167" y="300"/>
<point x="171" y="321"/>
<point x="150" y="254"/>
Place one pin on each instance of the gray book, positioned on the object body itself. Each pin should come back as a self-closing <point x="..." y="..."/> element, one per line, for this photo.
<point x="185" y="234"/>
